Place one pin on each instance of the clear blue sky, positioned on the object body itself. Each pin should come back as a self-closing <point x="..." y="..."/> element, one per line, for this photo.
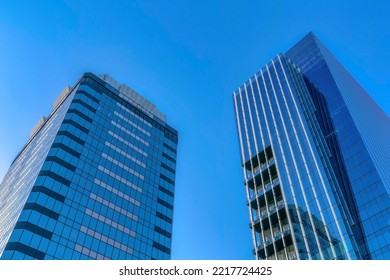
<point x="187" y="57"/>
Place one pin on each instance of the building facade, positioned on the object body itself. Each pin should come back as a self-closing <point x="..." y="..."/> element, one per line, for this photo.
<point x="95" y="180"/>
<point x="317" y="183"/>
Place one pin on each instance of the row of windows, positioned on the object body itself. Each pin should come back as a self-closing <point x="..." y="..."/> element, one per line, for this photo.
<point x="123" y="153"/>
<point x="109" y="222"/>
<point x="56" y="183"/>
<point x="98" y="88"/>
<point x="120" y="179"/>
<point x="24" y="170"/>
<point x="106" y="239"/>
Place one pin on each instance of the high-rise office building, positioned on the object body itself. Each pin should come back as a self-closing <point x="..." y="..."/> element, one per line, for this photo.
<point x="316" y="158"/>
<point x="95" y="180"/>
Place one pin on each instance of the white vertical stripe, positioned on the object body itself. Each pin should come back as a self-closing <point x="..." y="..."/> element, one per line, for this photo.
<point x="285" y="164"/>
<point x="295" y="164"/>
<point x="245" y="176"/>
<point x="262" y="180"/>
<point x="315" y="162"/>
<point x="305" y="164"/>
<point x="276" y="163"/>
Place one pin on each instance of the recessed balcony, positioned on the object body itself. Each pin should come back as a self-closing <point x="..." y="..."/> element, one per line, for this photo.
<point x="259" y="159"/>
<point x="265" y="217"/>
<point x="276" y="239"/>
<point x="267" y="175"/>
<point x="265" y="194"/>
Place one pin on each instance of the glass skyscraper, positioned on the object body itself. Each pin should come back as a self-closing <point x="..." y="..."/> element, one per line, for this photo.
<point x="95" y="180"/>
<point x="316" y="159"/>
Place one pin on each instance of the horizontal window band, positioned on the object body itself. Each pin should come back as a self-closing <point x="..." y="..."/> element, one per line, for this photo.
<point x="166" y="191"/>
<point x="165" y="178"/>
<point x="163" y="217"/>
<point x="61" y="162"/>
<point x="90" y="96"/>
<point x="169" y="148"/>
<point x="169" y="158"/>
<point x="113" y="206"/>
<point x="92" y="84"/>
<point x="71" y="136"/>
<point x="162" y="231"/>
<point x="161" y="247"/>
<point x="131" y="123"/>
<point x="123" y="153"/>
<point x="82" y="103"/>
<point x="164" y="203"/>
<point x="66" y="149"/>
<point x="80" y="114"/>
<point x="27" y="250"/>
<point x="34" y="228"/>
<point x="116" y="192"/>
<point x="119" y="178"/>
<point x="168" y="168"/>
<point x="134" y="114"/>
<point x="109" y="222"/>
<point x="123" y="166"/>
<point x="76" y="125"/>
<point x="41" y="209"/>
<point x="106" y="240"/>
<point x="135" y="136"/>
<point x="170" y="135"/>
<point x="130" y="107"/>
<point x="95" y="85"/>
<point x="90" y="253"/>
<point x="127" y="143"/>
<point x="48" y="192"/>
<point x="55" y="176"/>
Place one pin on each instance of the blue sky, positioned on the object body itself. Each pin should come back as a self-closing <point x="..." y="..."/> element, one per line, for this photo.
<point x="187" y="57"/>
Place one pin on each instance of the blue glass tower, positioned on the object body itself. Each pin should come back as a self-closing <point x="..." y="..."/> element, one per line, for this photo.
<point x="315" y="177"/>
<point x="361" y="141"/>
<point x="95" y="180"/>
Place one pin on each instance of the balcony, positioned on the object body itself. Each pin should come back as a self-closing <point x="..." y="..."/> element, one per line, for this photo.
<point x="260" y="159"/>
<point x="266" y="194"/>
<point x="280" y="238"/>
<point x="262" y="179"/>
<point x="271" y="216"/>
<point x="292" y="256"/>
<point x="261" y="168"/>
<point x="266" y="245"/>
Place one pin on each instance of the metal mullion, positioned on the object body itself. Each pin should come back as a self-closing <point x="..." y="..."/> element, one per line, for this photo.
<point x="293" y="154"/>
<point x="304" y="161"/>
<point x="316" y="164"/>
<point x="245" y="174"/>
<point x="253" y="173"/>
<point x="273" y="195"/>
<point x="295" y="165"/>
<point x="264" y="148"/>
<point x="322" y="217"/>
<point x="278" y="215"/>
<point x="275" y="159"/>
<point x="263" y="185"/>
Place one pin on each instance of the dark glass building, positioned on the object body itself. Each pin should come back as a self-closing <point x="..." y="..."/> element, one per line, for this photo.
<point x="95" y="180"/>
<point x="316" y="159"/>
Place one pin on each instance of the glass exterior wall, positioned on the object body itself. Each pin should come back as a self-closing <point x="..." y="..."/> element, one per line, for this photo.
<point x="306" y="146"/>
<point x="295" y="214"/>
<point x="19" y="180"/>
<point x="105" y="187"/>
<point x="362" y="132"/>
